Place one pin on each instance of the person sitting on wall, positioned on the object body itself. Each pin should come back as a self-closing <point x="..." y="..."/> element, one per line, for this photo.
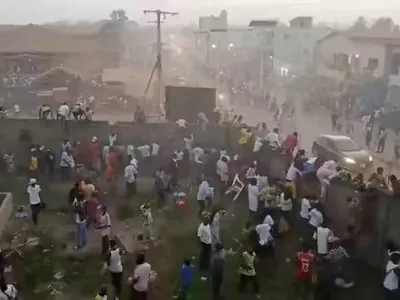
<point x="45" y="112"/>
<point x="77" y="112"/>
<point x="88" y="114"/>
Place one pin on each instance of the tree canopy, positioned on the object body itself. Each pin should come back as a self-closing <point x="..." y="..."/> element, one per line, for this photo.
<point x="119" y="15"/>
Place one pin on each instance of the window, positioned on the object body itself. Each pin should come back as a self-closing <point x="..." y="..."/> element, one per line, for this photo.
<point x="372" y="63"/>
<point x="342" y="61"/>
<point x="346" y="145"/>
<point x="330" y="145"/>
<point x="355" y="62"/>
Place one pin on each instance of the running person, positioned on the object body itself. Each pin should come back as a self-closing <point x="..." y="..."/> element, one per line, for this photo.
<point x="305" y="271"/>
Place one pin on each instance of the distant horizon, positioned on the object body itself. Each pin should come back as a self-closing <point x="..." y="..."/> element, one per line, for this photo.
<point x="240" y="12"/>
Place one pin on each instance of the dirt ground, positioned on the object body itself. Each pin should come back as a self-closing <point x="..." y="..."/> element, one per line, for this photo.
<point x="51" y="269"/>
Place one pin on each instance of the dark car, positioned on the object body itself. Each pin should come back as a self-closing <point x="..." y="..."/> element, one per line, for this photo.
<point x="344" y="151"/>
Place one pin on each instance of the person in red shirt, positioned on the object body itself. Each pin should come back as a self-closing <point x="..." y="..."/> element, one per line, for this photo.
<point x="95" y="155"/>
<point x="92" y="207"/>
<point x="305" y="271"/>
<point x="290" y="144"/>
<point x="112" y="168"/>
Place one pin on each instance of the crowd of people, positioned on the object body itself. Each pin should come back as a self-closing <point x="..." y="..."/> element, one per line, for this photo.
<point x="325" y="262"/>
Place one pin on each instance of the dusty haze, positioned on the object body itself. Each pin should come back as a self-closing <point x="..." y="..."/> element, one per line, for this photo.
<point x="240" y="11"/>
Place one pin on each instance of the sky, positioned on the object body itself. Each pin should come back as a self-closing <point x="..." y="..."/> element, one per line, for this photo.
<point x="239" y="11"/>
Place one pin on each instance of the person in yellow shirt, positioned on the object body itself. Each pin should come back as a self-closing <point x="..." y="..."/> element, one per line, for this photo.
<point x="245" y="141"/>
<point x="245" y="136"/>
<point x="33" y="164"/>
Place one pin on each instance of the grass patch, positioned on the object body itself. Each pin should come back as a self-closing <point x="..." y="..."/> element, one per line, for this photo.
<point x="125" y="211"/>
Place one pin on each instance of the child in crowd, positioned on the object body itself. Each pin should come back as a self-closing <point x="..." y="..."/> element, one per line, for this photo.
<point x="102" y="295"/>
<point x="147" y="220"/>
<point x="186" y="279"/>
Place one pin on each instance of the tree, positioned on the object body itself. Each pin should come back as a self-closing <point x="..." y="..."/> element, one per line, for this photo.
<point x="383" y="25"/>
<point x="360" y="23"/>
<point x="118" y="15"/>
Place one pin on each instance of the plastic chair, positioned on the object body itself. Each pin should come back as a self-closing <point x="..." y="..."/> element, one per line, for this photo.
<point x="236" y="187"/>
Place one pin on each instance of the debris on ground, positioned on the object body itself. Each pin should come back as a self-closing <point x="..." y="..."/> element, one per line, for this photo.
<point x="32" y="242"/>
<point x="59" y="275"/>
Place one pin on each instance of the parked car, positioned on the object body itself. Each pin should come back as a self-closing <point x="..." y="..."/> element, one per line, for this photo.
<point x="344" y="150"/>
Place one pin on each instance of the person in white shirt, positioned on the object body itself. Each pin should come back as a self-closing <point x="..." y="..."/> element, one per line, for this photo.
<point x="181" y="123"/>
<point x="66" y="164"/>
<point x="112" y="139"/>
<point x="115" y="267"/>
<point x="324" y="174"/>
<point x="215" y="226"/>
<point x="392" y="276"/>
<point x="253" y="195"/>
<point x="16" y="110"/>
<point x="204" y="193"/>
<point x="203" y="120"/>
<point x="33" y="190"/>
<point x="323" y="236"/>
<point x="273" y="139"/>
<point x="258" y="143"/>
<point x="130" y="151"/>
<point x="268" y="220"/>
<point x="188" y="142"/>
<point x="179" y="154"/>
<point x="141" y="278"/>
<point x="197" y="155"/>
<point x="316" y="218"/>
<point x="286" y="206"/>
<point x="223" y="172"/>
<point x="130" y="174"/>
<point x="104" y="227"/>
<point x="264" y="234"/>
<point x="155" y="149"/>
<point x="144" y="150"/>
<point x="293" y="173"/>
<point x="305" y="208"/>
<point x="63" y="111"/>
<point x="204" y="235"/>
<point x="7" y="291"/>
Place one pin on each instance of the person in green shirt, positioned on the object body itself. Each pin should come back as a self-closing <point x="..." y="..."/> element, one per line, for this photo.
<point x="247" y="272"/>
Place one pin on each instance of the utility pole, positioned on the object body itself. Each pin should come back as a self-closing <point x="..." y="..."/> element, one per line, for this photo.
<point x="158" y="63"/>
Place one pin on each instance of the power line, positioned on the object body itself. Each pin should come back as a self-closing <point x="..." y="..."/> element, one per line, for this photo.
<point x="158" y="64"/>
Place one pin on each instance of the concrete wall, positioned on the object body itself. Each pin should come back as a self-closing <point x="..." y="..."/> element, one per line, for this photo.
<point x="6" y="208"/>
<point x="49" y="133"/>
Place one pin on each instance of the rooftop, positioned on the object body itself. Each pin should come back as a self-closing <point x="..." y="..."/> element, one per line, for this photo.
<point x="38" y="39"/>
<point x="367" y="36"/>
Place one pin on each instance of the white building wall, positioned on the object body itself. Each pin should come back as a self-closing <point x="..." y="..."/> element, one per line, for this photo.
<point x="294" y="47"/>
<point x="340" y="44"/>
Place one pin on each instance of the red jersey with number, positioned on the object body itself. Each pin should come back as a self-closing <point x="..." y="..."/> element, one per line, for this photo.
<point x="304" y="267"/>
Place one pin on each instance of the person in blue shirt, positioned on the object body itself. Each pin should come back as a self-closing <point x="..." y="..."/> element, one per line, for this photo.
<point x="186" y="280"/>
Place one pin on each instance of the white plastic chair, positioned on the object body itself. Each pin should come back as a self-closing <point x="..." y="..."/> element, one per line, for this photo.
<point x="236" y="187"/>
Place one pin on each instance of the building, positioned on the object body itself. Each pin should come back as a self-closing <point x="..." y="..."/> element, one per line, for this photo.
<point x="87" y="52"/>
<point x="294" y="46"/>
<point x="210" y="23"/>
<point x="301" y="22"/>
<point x="342" y="55"/>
